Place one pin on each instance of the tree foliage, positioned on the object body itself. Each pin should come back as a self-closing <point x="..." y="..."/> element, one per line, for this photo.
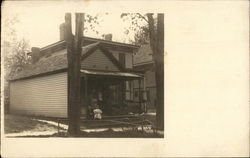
<point x="139" y="26"/>
<point x="17" y="58"/>
<point x="9" y="30"/>
<point x="14" y="50"/>
<point x="92" y="21"/>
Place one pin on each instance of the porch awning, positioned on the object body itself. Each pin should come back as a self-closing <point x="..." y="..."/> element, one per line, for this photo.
<point x="128" y="75"/>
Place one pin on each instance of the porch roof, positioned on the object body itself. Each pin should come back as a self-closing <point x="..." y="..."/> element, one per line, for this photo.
<point x="123" y="75"/>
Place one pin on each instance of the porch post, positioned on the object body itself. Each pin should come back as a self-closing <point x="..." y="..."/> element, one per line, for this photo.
<point x="144" y="95"/>
<point x="86" y="100"/>
<point x="86" y="89"/>
<point x="139" y="80"/>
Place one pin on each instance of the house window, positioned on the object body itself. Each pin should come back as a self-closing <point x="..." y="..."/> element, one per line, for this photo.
<point x="114" y="98"/>
<point x="148" y="95"/>
<point x="128" y="61"/>
<point x="136" y="94"/>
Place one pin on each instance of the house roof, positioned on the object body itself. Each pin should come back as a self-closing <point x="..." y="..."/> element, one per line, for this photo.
<point x="49" y="63"/>
<point x="125" y="75"/>
<point x="143" y="56"/>
<point x="88" y="40"/>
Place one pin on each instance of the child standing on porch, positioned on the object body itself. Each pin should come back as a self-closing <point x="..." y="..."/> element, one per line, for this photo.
<point x="96" y="110"/>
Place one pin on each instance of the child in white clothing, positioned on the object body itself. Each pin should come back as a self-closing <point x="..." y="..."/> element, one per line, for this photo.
<point x="97" y="111"/>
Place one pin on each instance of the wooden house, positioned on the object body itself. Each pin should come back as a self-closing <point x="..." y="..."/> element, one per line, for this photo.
<point x="106" y="71"/>
<point x="143" y="62"/>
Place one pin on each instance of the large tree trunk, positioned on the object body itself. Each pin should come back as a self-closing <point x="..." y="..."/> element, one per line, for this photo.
<point x="157" y="46"/>
<point x="74" y="54"/>
<point x="159" y="71"/>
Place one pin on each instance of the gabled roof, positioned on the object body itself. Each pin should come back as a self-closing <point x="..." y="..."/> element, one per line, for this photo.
<point x="52" y="62"/>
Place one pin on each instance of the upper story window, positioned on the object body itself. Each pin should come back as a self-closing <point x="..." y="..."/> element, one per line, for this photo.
<point x="124" y="58"/>
<point x="128" y="61"/>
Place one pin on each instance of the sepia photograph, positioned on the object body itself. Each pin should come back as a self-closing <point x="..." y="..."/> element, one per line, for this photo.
<point x="137" y="78"/>
<point x="94" y="80"/>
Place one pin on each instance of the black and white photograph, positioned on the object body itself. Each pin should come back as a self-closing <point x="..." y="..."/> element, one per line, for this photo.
<point x="93" y="79"/>
<point x="137" y="78"/>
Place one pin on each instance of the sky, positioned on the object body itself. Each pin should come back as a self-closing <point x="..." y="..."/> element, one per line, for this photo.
<point x="39" y="23"/>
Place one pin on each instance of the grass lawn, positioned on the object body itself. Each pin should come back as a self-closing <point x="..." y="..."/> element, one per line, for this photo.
<point x="151" y="119"/>
<point x="22" y="124"/>
<point x="18" y="124"/>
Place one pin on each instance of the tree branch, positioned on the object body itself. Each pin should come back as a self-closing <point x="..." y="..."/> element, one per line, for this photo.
<point x="143" y="17"/>
<point x="152" y="34"/>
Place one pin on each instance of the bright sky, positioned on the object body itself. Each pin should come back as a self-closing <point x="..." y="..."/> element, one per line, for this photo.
<point x="39" y="23"/>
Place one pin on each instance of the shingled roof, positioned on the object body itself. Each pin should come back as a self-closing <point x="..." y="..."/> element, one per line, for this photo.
<point x="51" y="62"/>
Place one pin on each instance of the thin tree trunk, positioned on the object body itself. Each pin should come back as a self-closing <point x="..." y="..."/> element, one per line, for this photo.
<point x="159" y="71"/>
<point x="73" y="54"/>
<point x="157" y="46"/>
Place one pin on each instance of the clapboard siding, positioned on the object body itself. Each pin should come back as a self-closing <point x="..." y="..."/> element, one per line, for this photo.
<point x="98" y="61"/>
<point x="128" y="58"/>
<point x="43" y="96"/>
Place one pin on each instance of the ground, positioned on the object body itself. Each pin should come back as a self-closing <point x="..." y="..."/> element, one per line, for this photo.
<point x="18" y="124"/>
<point x="24" y="126"/>
<point x="15" y="126"/>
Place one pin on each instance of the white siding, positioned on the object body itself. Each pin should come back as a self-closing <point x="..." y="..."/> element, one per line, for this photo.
<point x="43" y="96"/>
<point x="98" y="61"/>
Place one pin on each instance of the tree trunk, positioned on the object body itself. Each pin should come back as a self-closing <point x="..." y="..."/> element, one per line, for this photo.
<point x="159" y="71"/>
<point x="157" y="46"/>
<point x="74" y="54"/>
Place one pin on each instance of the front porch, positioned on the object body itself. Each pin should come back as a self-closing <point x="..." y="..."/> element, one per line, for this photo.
<point x="113" y="92"/>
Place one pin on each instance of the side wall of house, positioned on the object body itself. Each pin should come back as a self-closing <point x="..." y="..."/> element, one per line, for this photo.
<point x="41" y="96"/>
<point x="150" y="89"/>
